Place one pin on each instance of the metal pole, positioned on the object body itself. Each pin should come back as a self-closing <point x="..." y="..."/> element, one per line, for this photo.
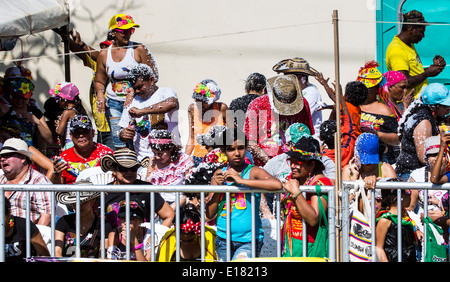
<point x="77" y="226"/>
<point x="152" y="226"/>
<point x="102" y="224"/>
<point x="202" y="220"/>
<point x="2" y="226"/>
<point x="228" y="223"/>
<point x="178" y="226"/>
<point x="337" y="140"/>
<point x="127" y="218"/>
<point x="28" y="226"/>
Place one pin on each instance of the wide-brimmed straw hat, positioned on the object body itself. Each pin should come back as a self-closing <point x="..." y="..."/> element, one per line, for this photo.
<point x="285" y="94"/>
<point x="124" y="157"/>
<point x="70" y="197"/>
<point x="16" y="145"/>
<point x="294" y="65"/>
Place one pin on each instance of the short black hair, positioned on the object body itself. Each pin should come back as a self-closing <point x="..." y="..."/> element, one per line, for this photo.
<point x="255" y="82"/>
<point x="356" y="93"/>
<point x="327" y="130"/>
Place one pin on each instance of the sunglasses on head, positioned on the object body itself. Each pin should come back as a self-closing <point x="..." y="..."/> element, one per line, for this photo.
<point x="125" y="31"/>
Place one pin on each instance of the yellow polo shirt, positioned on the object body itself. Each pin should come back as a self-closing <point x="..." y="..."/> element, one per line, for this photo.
<point x="401" y="57"/>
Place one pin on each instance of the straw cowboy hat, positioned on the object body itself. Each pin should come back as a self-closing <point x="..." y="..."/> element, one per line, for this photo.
<point x="124" y="157"/>
<point x="295" y="65"/>
<point x="16" y="145"/>
<point x="70" y="197"/>
<point x="286" y="94"/>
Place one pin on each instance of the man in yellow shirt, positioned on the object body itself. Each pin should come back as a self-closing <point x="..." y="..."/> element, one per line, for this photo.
<point x="401" y="55"/>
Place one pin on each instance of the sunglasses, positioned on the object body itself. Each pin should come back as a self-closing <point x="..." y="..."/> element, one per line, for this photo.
<point x="125" y="31"/>
<point x="127" y="169"/>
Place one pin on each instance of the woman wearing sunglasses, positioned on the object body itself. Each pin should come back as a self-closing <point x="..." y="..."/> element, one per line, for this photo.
<point x="112" y="73"/>
<point x="307" y="168"/>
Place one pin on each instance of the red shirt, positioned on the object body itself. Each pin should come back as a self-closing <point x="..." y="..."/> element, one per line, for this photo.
<point x="260" y="126"/>
<point x="76" y="164"/>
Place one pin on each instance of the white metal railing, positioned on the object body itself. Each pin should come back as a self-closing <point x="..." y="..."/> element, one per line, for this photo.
<point x="345" y="219"/>
<point x="202" y="189"/>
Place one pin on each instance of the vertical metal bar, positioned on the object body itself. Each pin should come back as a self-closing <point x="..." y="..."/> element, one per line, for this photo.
<point x="2" y="225"/>
<point x="228" y="223"/>
<point x="52" y="224"/>
<point x="345" y="225"/>
<point x="77" y="226"/>
<point x="399" y="224"/>
<point x="202" y="220"/>
<point x="278" y="226"/>
<point x="127" y="218"/>
<point x="331" y="226"/>
<point x="304" y="234"/>
<point x="252" y="209"/>
<point x="425" y="211"/>
<point x="178" y="225"/>
<point x="28" y="226"/>
<point x="372" y="223"/>
<point x="152" y="226"/>
<point x="102" y="224"/>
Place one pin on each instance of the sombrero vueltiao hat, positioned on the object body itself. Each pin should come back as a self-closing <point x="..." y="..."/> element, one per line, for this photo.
<point x="70" y="197"/>
<point x="124" y="157"/>
<point x="285" y="94"/>
<point x="295" y="65"/>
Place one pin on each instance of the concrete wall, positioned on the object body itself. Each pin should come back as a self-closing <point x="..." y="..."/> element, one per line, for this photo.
<point x="222" y="40"/>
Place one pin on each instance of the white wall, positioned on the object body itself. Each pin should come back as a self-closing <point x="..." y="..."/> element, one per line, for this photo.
<point x="222" y="40"/>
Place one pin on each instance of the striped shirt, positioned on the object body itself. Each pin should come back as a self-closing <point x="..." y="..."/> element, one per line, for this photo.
<point x="40" y="202"/>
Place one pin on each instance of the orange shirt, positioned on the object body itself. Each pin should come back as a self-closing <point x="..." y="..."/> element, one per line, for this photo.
<point x="201" y="126"/>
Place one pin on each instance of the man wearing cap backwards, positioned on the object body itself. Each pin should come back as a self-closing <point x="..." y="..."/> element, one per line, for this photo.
<point x="301" y="68"/>
<point x="401" y="55"/>
<point x="84" y="154"/>
<point x="15" y="160"/>
<point x="269" y="116"/>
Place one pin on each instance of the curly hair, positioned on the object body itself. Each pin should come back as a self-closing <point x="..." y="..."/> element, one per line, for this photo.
<point x="156" y="134"/>
<point x="356" y="92"/>
<point x="255" y="82"/>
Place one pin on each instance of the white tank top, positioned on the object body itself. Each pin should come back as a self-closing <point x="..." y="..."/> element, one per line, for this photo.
<point x="119" y="86"/>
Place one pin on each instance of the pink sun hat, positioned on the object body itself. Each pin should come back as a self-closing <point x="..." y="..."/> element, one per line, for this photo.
<point x="65" y="90"/>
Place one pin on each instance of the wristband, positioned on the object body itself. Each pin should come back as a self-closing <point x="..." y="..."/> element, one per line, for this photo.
<point x="296" y="195"/>
<point x="82" y="45"/>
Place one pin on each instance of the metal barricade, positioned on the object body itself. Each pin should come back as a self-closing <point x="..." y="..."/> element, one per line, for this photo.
<point x="345" y="219"/>
<point x="152" y="189"/>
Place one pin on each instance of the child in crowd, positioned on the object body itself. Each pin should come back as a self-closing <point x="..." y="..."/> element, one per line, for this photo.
<point x="190" y="240"/>
<point x="203" y="114"/>
<point x="387" y="224"/>
<point x="67" y="96"/>
<point x="241" y="174"/>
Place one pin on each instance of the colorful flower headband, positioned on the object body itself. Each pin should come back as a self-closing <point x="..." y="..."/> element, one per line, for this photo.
<point x="190" y="226"/>
<point x="121" y="22"/>
<point x="55" y="91"/>
<point x="204" y="90"/>
<point x="22" y="85"/>
<point x="304" y="153"/>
